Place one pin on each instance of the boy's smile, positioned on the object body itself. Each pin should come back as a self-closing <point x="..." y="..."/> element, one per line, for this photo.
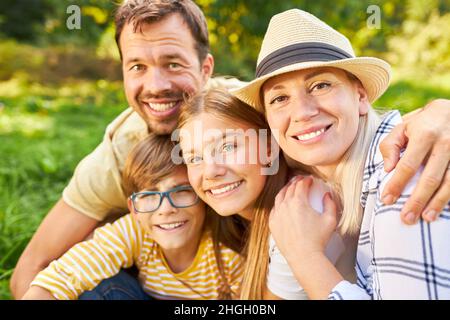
<point x="176" y="230"/>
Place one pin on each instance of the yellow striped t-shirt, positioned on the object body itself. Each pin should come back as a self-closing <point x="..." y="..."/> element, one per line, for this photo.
<point x="123" y="244"/>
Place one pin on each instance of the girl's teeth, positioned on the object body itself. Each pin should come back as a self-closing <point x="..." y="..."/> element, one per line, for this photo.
<point x="310" y="135"/>
<point x="169" y="226"/>
<point x="226" y="188"/>
<point x="162" y="106"/>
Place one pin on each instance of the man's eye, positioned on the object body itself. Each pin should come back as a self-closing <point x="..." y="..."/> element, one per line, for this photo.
<point x="174" y="65"/>
<point x="137" y="67"/>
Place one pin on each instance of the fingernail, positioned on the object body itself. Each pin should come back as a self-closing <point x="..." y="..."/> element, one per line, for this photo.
<point x="388" y="199"/>
<point x="431" y="215"/>
<point x="410" y="217"/>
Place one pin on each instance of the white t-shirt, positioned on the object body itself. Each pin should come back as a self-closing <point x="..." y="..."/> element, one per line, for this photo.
<point x="280" y="279"/>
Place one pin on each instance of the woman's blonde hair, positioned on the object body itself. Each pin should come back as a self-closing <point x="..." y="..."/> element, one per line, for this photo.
<point x="255" y="242"/>
<point x="349" y="174"/>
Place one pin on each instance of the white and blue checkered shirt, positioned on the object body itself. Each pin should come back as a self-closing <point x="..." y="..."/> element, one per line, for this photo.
<point x="396" y="261"/>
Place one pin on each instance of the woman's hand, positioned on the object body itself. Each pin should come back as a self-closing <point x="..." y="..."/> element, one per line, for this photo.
<point x="302" y="234"/>
<point x="299" y="230"/>
<point x="426" y="135"/>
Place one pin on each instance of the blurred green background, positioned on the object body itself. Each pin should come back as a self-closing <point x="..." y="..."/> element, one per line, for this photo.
<point x="59" y="88"/>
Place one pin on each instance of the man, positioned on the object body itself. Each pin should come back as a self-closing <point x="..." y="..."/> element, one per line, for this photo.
<point x="164" y="50"/>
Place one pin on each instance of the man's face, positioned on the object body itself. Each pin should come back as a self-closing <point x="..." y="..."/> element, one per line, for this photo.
<point x="160" y="65"/>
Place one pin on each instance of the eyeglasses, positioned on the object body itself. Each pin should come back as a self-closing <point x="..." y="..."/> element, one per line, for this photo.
<point x="149" y="201"/>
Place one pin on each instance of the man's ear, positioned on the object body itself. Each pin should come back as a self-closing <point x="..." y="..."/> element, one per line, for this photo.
<point x="207" y="67"/>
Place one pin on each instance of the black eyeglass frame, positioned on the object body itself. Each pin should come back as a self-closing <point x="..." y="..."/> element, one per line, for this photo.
<point x="162" y="195"/>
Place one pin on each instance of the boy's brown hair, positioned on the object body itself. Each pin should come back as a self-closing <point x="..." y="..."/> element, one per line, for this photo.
<point x="148" y="163"/>
<point x="140" y="12"/>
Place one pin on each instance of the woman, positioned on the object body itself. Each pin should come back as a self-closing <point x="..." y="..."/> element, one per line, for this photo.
<point x="318" y="95"/>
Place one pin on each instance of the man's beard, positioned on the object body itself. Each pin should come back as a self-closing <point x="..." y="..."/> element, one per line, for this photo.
<point x="160" y="126"/>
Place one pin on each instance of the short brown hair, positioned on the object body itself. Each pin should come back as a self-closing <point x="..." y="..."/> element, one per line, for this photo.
<point x="148" y="163"/>
<point x="148" y="11"/>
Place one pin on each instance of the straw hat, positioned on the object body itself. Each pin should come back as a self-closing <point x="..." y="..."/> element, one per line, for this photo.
<point x="297" y="40"/>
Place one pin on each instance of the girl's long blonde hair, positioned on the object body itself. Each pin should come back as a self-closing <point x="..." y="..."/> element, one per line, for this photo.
<point x="254" y="242"/>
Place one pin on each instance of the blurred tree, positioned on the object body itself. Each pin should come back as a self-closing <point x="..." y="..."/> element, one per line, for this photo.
<point x="22" y="19"/>
<point x="425" y="32"/>
<point x="43" y="22"/>
<point x="96" y="15"/>
<point x="237" y="27"/>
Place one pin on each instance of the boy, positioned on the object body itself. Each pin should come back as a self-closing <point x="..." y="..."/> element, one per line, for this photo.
<point x="168" y="235"/>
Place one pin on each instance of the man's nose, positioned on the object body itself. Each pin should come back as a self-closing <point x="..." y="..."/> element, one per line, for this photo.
<point x="156" y="82"/>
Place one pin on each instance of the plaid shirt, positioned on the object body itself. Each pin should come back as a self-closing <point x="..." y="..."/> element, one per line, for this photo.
<point x="396" y="261"/>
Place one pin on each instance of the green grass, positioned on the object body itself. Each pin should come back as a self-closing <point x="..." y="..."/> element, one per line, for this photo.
<point x="46" y="131"/>
<point x="407" y="95"/>
<point x="42" y="138"/>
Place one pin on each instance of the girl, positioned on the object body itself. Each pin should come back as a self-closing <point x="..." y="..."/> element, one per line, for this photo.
<point x="234" y="166"/>
<point x="181" y="248"/>
<point x="318" y="95"/>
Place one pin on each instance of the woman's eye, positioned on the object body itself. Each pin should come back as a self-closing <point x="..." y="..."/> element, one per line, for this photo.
<point x="321" y="86"/>
<point x="279" y="99"/>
